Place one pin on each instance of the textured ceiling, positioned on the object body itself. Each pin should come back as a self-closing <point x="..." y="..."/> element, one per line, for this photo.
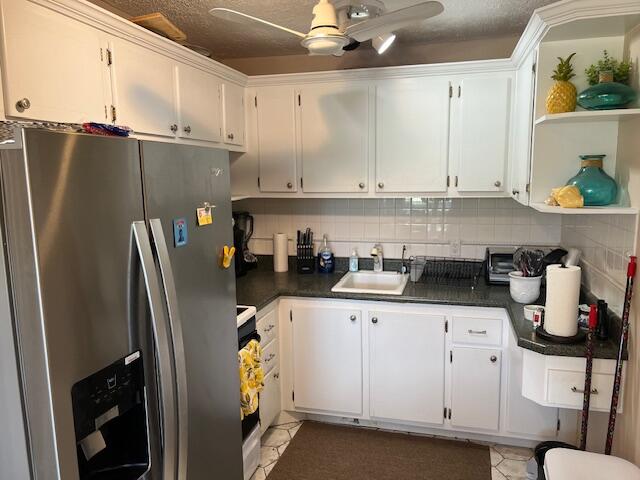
<point x="461" y="20"/>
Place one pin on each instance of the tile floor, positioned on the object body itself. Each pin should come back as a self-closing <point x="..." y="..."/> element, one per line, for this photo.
<point x="507" y="463"/>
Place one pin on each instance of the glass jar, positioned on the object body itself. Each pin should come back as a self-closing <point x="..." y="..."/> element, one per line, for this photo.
<point x="597" y="188"/>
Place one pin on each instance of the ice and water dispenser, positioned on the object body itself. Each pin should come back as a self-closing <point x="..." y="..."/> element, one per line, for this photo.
<point x="110" y="418"/>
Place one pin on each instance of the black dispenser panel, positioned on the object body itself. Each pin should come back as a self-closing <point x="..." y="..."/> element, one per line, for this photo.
<point x="110" y="419"/>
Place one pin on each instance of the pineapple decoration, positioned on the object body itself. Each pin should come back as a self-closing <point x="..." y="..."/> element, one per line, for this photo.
<point x="562" y="95"/>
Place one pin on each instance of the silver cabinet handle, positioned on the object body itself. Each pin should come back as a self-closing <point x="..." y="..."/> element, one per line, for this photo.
<point x="23" y="104"/>
<point x="270" y="357"/>
<point x="493" y="359"/>
<point x="353" y="318"/>
<point x="477" y="332"/>
<point x="515" y="192"/>
<point x="187" y="129"/>
<point x="175" y="323"/>
<point x="381" y="185"/>
<point x="141" y="249"/>
<point x="276" y="376"/>
<point x="289" y="185"/>
<point x="269" y="328"/>
<point x="230" y="136"/>
<point x="594" y="391"/>
<point x="361" y="185"/>
<point x="374" y="320"/>
<point x="498" y="183"/>
<point x="173" y="128"/>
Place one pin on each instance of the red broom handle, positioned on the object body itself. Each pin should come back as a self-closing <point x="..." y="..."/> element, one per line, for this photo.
<point x="586" y="399"/>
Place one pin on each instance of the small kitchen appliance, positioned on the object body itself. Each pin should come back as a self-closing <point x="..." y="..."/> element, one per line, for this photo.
<point x="242" y="233"/>
<point x="498" y="264"/>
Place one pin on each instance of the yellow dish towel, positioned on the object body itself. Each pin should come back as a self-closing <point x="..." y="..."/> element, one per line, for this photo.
<point x="251" y="377"/>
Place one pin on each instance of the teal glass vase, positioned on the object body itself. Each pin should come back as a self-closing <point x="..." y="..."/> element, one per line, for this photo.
<point x="597" y="188"/>
<point x="607" y="95"/>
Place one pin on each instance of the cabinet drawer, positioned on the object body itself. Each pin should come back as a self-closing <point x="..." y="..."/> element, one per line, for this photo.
<point x="268" y="327"/>
<point x="477" y="331"/>
<point x="565" y="389"/>
<point x="270" y="356"/>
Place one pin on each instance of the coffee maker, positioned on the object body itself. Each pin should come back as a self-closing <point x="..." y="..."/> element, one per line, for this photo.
<point x="242" y="233"/>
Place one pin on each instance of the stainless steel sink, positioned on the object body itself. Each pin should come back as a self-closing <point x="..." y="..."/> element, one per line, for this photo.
<point x="381" y="283"/>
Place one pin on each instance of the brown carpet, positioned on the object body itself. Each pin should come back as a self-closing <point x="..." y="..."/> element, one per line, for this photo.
<point x="329" y="452"/>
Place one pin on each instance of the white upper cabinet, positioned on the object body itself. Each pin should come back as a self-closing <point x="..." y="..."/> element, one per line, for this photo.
<point x="327" y="359"/>
<point x="199" y="106"/>
<point x="412" y="128"/>
<point x="53" y="67"/>
<point x="233" y="114"/>
<point x="406" y="363"/>
<point x="480" y="132"/>
<point x="143" y="89"/>
<point x="522" y="127"/>
<point x="334" y="138"/>
<point x="276" y="133"/>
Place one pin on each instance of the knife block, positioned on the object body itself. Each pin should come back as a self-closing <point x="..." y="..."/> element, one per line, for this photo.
<point x="305" y="259"/>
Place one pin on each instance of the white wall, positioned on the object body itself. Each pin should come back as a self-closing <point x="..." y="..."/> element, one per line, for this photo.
<point x="427" y="226"/>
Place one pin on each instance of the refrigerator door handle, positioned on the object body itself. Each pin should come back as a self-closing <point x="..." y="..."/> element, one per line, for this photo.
<point x="140" y="241"/>
<point x="175" y="325"/>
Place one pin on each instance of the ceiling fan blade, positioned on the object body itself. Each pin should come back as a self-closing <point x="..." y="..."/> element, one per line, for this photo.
<point x="239" y="17"/>
<point x="389" y="22"/>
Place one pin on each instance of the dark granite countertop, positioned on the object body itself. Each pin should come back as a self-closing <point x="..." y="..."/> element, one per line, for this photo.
<point x="261" y="286"/>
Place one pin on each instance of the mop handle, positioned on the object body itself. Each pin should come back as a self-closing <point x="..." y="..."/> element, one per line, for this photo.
<point x="617" y="379"/>
<point x="586" y="399"/>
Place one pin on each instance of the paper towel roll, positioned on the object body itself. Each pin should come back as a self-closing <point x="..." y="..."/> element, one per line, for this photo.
<point x="280" y="252"/>
<point x="563" y="297"/>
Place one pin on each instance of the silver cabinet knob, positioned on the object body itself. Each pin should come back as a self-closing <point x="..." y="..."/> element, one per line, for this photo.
<point x="22" y="105"/>
<point x="289" y="185"/>
<point x="270" y="357"/>
<point x="174" y="128"/>
<point x="380" y="185"/>
<point x="515" y="192"/>
<point x="276" y="376"/>
<point x="187" y="129"/>
<point x="353" y="318"/>
<point x="374" y="320"/>
<point x="493" y="359"/>
<point x="361" y="185"/>
<point x="497" y="183"/>
<point x="230" y="136"/>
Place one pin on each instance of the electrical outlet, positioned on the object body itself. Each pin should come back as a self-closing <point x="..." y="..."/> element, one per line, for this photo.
<point x="456" y="247"/>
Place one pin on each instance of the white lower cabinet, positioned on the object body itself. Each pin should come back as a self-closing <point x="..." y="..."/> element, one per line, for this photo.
<point x="406" y="366"/>
<point x="327" y="359"/>
<point x="475" y="387"/>
<point x="270" y="399"/>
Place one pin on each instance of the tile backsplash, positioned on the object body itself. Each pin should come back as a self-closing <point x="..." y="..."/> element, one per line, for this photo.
<point x="606" y="241"/>
<point x="428" y="226"/>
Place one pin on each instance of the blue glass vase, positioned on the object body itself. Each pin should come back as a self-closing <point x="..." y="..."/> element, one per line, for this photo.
<point x="596" y="187"/>
<point x="607" y="95"/>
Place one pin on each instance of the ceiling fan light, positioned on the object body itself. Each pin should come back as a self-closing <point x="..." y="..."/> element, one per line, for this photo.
<point x="382" y="42"/>
<point x="324" y="43"/>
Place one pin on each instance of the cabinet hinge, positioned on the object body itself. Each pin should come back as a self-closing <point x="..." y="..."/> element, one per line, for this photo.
<point x="258" y="182"/>
<point x="301" y="183"/>
<point x="459" y="91"/>
<point x="450" y="91"/>
<point x="114" y="115"/>
<point x="558" y="426"/>
<point x="255" y="99"/>
<point x="293" y="395"/>
<point x="446" y="326"/>
<point x="299" y="100"/>
<point x="291" y="315"/>
<point x="456" y="181"/>
<point x="449" y="414"/>
<point x="527" y="188"/>
<point x="109" y="57"/>
<point x="106" y="115"/>
<point x="450" y="356"/>
<point x="445" y="413"/>
<point x="101" y="55"/>
<point x="533" y="68"/>
<point x="448" y="181"/>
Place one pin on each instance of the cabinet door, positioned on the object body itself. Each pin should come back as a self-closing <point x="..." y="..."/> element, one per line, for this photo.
<point x="276" y="122"/>
<point x="334" y="136"/>
<point x="144" y="89"/>
<point x="327" y="359"/>
<point x="480" y="133"/>
<point x="270" y="400"/>
<point x="54" y="63"/>
<point x="475" y="388"/>
<point x="407" y="366"/>
<point x="233" y="114"/>
<point x="412" y="122"/>
<point x="199" y="105"/>
<point x="523" y="129"/>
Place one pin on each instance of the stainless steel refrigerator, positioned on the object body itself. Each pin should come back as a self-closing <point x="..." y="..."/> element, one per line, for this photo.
<point x="118" y="338"/>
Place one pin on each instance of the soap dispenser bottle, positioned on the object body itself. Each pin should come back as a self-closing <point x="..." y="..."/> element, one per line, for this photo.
<point x="353" y="261"/>
<point x="326" y="261"/>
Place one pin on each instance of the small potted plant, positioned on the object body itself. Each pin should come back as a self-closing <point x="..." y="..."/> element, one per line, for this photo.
<point x="609" y="80"/>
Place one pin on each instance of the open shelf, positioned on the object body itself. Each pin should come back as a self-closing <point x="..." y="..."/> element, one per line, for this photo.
<point x="588" y="116"/>
<point x="608" y="210"/>
<point x="239" y="197"/>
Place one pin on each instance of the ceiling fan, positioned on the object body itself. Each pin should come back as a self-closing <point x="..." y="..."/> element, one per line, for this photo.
<point x="343" y="26"/>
